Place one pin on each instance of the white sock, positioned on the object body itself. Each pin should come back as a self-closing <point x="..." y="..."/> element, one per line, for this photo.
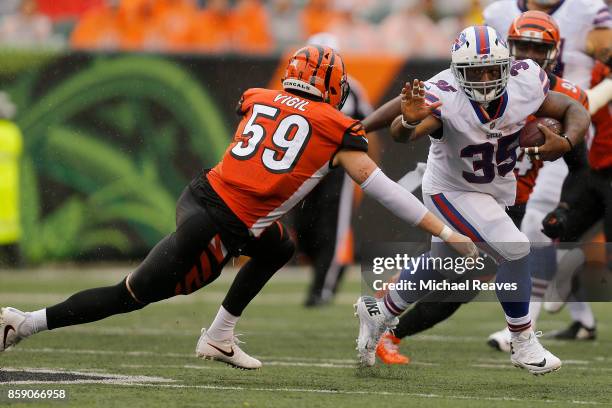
<point x="222" y="328"/>
<point x="518" y="325"/>
<point x="535" y="305"/>
<point x="581" y="312"/>
<point x="39" y="319"/>
<point x="392" y="304"/>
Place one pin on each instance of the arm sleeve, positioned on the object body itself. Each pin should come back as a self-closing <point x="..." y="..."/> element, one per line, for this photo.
<point x="576" y="161"/>
<point x="394" y="197"/>
<point x="599" y="95"/>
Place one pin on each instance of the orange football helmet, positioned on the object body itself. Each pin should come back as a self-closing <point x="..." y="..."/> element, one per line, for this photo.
<point x="535" y="28"/>
<point x="318" y="71"/>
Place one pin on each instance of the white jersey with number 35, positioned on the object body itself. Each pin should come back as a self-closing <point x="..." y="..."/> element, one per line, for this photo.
<point x="477" y="151"/>
<point x="575" y="18"/>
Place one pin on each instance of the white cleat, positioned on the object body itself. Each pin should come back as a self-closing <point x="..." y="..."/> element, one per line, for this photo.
<point x="527" y="352"/>
<point x="15" y="326"/>
<point x="372" y="325"/>
<point x="500" y="340"/>
<point x="225" y="351"/>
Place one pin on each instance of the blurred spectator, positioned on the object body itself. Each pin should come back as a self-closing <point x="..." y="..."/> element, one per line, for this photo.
<point x="457" y="15"/>
<point x="133" y="19"/>
<point x="255" y="26"/>
<point x="213" y="27"/>
<point x="474" y="14"/>
<point x="66" y="9"/>
<point x="8" y="6"/>
<point x="170" y="25"/>
<point x="98" y="28"/>
<point x="354" y="33"/>
<point x="285" y="24"/>
<point x="111" y="26"/>
<point x="316" y="16"/>
<point x="26" y="27"/>
<point x="251" y="33"/>
<point x="408" y="31"/>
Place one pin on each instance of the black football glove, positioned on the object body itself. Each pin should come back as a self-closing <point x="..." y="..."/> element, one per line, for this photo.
<point x="554" y="223"/>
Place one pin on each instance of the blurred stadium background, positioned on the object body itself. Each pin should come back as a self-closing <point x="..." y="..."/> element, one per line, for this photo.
<point x="111" y="106"/>
<point x="120" y="102"/>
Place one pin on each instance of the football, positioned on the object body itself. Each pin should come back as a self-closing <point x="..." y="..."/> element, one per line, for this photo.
<point x="531" y="136"/>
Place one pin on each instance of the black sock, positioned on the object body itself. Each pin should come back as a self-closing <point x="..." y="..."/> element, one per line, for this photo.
<point x="252" y="277"/>
<point x="424" y="315"/>
<point x="91" y="305"/>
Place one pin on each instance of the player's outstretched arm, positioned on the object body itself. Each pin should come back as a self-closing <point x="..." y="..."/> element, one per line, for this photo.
<point x="383" y="116"/>
<point x="599" y="95"/>
<point x="411" y="98"/>
<point x="415" y="119"/>
<point x="575" y="119"/>
<point x="398" y="200"/>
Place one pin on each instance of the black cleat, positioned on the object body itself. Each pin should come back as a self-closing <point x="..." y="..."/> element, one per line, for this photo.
<point x="576" y="331"/>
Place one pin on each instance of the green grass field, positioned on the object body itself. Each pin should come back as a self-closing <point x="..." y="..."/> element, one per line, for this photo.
<point x="308" y="355"/>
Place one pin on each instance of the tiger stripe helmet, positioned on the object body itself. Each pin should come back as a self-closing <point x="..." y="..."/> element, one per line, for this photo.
<point x="536" y="27"/>
<point x="318" y="71"/>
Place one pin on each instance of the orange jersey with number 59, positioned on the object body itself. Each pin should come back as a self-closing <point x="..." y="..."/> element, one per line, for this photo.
<point x="526" y="170"/>
<point x="283" y="147"/>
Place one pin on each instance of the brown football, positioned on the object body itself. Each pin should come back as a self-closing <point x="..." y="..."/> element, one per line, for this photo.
<point x="531" y="136"/>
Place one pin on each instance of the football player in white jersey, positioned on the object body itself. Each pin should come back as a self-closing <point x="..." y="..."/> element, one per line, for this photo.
<point x="473" y="113"/>
<point x="585" y="27"/>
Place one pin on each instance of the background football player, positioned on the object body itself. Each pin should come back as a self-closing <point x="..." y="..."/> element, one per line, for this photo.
<point x="582" y="208"/>
<point x="323" y="220"/>
<point x="286" y="142"/>
<point x="586" y="36"/>
<point x="469" y="180"/>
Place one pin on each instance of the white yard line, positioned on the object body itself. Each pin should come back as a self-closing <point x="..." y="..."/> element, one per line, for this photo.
<point x="267" y="360"/>
<point x="348" y="392"/>
<point x="159" y="382"/>
<point x="96" y="377"/>
<point x="293" y="361"/>
<point x="121" y="331"/>
<point x="100" y="352"/>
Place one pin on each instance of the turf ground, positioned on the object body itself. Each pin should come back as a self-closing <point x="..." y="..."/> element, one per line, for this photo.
<point x="146" y="358"/>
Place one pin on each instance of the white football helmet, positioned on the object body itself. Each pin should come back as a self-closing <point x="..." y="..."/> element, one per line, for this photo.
<point x="480" y="47"/>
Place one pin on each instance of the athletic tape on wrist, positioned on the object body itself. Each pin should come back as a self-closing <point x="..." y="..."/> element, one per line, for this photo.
<point x="446" y="233"/>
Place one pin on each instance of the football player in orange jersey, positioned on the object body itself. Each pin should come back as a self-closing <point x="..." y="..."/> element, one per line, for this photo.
<point x="532" y="35"/>
<point x="285" y="143"/>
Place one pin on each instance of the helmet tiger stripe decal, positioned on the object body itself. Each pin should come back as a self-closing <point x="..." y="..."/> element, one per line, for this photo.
<point x="318" y="71"/>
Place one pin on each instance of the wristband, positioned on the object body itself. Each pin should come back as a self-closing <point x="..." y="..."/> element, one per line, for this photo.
<point x="409" y="125"/>
<point x="568" y="141"/>
<point x="446" y="233"/>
